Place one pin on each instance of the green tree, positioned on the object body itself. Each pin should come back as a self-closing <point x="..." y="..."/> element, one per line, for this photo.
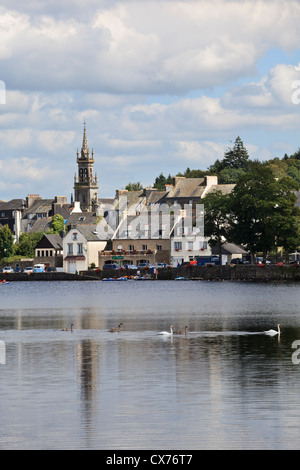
<point x="134" y="186"/>
<point x="262" y="209"/>
<point x="57" y="224"/>
<point x="27" y="243"/>
<point x="237" y="156"/>
<point x="193" y="173"/>
<point x="296" y="155"/>
<point x="216" y="218"/>
<point x="234" y="163"/>
<point x="161" y="181"/>
<point x="6" y="242"/>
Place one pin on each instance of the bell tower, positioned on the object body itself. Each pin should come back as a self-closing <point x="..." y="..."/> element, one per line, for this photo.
<point x="85" y="183"/>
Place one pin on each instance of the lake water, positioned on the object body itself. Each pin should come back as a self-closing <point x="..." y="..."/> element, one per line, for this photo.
<point x="225" y="385"/>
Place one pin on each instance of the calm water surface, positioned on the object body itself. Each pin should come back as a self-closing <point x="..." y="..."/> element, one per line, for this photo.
<point x="226" y="385"/>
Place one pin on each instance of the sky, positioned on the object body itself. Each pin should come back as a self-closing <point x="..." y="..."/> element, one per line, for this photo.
<point x="162" y="85"/>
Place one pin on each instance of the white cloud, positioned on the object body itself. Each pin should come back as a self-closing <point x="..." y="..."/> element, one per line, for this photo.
<point x="140" y="47"/>
<point x="162" y="85"/>
<point x="27" y="169"/>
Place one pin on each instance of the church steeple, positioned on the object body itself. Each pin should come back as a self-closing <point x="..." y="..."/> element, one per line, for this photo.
<point x="85" y="151"/>
<point x="86" y="185"/>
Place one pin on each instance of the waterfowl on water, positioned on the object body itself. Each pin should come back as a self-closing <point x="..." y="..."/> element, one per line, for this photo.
<point x="273" y="332"/>
<point x="116" y="329"/>
<point x="182" y="332"/>
<point x="68" y="329"/>
<point x="167" y="333"/>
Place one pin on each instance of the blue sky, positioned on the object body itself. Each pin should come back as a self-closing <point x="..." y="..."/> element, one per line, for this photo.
<point x="161" y="84"/>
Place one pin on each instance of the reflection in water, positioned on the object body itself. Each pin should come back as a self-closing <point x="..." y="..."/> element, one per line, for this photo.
<point x="225" y="384"/>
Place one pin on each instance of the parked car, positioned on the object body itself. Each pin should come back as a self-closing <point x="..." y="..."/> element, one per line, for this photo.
<point x="145" y="265"/>
<point x="28" y="270"/>
<point x="7" y="269"/>
<point x="295" y="262"/>
<point x="51" y="269"/>
<point x="39" y="268"/>
<point x="111" y="266"/>
<point x="18" y="269"/>
<point x="129" y="266"/>
<point x="162" y="265"/>
<point x="236" y="261"/>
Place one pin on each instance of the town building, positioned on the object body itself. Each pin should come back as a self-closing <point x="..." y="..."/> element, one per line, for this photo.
<point x="49" y="251"/>
<point x="81" y="246"/>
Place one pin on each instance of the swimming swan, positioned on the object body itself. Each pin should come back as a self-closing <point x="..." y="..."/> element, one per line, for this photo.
<point x="273" y="332"/>
<point x="116" y="329"/>
<point x="68" y="329"/>
<point x="167" y="333"/>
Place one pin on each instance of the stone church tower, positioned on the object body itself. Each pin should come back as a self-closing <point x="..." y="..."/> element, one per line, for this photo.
<point x="85" y="184"/>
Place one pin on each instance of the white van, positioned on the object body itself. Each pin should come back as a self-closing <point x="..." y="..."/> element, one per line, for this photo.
<point x="39" y="268"/>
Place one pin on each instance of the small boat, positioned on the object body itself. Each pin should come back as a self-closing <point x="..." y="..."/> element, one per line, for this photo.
<point x="181" y="278"/>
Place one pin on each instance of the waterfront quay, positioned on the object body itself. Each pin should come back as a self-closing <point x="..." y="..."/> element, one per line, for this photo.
<point x="208" y="273"/>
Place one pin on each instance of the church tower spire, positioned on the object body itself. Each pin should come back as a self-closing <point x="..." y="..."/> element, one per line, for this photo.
<point x="86" y="184"/>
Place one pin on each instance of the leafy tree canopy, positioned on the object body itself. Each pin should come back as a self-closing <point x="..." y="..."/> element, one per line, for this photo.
<point x="134" y="186"/>
<point x="263" y="210"/>
<point x="27" y="243"/>
<point x="57" y="224"/>
<point x="6" y="242"/>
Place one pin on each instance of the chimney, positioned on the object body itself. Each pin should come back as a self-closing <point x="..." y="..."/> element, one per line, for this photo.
<point x="31" y="198"/>
<point x="76" y="208"/>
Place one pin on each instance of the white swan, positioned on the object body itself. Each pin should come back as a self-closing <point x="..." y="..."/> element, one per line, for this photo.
<point x="273" y="332"/>
<point x="167" y="333"/>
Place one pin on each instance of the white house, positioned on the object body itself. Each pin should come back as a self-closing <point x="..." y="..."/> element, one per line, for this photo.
<point x="81" y="246"/>
<point x="186" y="244"/>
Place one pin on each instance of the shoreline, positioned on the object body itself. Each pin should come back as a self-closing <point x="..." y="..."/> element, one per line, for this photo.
<point x="251" y="273"/>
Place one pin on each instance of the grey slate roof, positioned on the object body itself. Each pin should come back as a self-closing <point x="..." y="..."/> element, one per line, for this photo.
<point x="12" y="205"/>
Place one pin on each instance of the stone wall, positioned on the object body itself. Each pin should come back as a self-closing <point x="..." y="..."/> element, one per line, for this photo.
<point x="211" y="273"/>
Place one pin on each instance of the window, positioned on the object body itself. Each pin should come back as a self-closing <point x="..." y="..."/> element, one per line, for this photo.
<point x="75" y="236"/>
<point x="131" y="247"/>
<point x="177" y="246"/>
<point x="144" y="247"/>
<point x="70" y="248"/>
<point x="79" y="248"/>
<point x="203" y="245"/>
<point x="189" y="245"/>
<point x="159" y="247"/>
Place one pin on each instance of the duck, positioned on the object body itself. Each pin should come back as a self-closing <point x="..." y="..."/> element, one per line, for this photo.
<point x="116" y="329"/>
<point x="68" y="329"/>
<point x="182" y="332"/>
<point x="167" y="333"/>
<point x="273" y="332"/>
